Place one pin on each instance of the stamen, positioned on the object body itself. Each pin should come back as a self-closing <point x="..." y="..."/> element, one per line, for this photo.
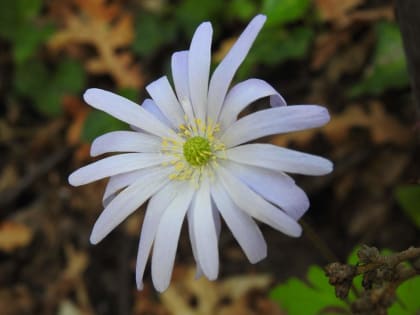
<point x="196" y="154"/>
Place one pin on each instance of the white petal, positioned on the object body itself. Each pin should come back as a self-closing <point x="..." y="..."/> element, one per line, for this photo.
<point x="217" y="220"/>
<point x="205" y="232"/>
<point x="243" y="94"/>
<point x="225" y="71"/>
<point x="243" y="228"/>
<point x="155" y="209"/>
<point x="256" y="206"/>
<point x="107" y="201"/>
<point x="199" y="58"/>
<point x="114" y="165"/>
<point x="190" y="215"/>
<point x="166" y="241"/>
<point x="273" y="121"/>
<point x="275" y="187"/>
<point x="152" y="108"/>
<point x="181" y="81"/>
<point x="121" y="181"/>
<point x="279" y="159"/>
<point x="128" y="201"/>
<point x="161" y="92"/>
<point x="125" y="141"/>
<point x="127" y="111"/>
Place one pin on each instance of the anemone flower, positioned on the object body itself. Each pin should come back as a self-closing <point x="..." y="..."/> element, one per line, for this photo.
<point x="189" y="153"/>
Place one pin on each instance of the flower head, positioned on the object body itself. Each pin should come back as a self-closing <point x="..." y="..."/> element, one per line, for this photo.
<point x="188" y="154"/>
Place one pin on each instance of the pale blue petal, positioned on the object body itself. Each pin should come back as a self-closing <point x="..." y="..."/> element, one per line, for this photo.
<point x="242" y="95"/>
<point x="164" y="97"/>
<point x="128" y="201"/>
<point x="225" y="71"/>
<point x="167" y="236"/>
<point x="279" y="159"/>
<point x="199" y="59"/>
<point x="274" y="121"/>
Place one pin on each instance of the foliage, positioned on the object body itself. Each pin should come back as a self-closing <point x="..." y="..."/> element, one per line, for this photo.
<point x="285" y="11"/>
<point x="242" y="9"/>
<point x="317" y="296"/>
<point x="98" y="123"/>
<point x="18" y="24"/>
<point x="46" y="88"/>
<point x="409" y="199"/>
<point x="388" y="68"/>
<point x="190" y="13"/>
<point x="274" y="46"/>
<point x="314" y="297"/>
<point x="151" y="33"/>
<point x="407" y="303"/>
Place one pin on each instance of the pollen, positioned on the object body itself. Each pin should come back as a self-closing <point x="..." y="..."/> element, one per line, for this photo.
<point x="197" y="151"/>
<point x="196" y="154"/>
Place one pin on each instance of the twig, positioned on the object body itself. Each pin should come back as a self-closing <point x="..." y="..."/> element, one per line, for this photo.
<point x="389" y="261"/>
<point x="8" y="196"/>
<point x="382" y="275"/>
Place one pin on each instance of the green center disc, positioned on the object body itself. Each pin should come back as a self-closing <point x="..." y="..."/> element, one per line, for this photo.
<point x="197" y="151"/>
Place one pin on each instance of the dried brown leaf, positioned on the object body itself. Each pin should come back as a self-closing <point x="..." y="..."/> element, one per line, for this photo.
<point x="342" y="13"/>
<point x="78" y="112"/>
<point x="14" y="235"/>
<point x="188" y="295"/>
<point x="17" y="300"/>
<point x="108" y="29"/>
<point x="336" y="10"/>
<point x="9" y="177"/>
<point x="77" y="262"/>
<point x="383" y="127"/>
<point x="326" y="46"/>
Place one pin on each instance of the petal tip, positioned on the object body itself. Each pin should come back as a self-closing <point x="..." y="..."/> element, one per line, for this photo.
<point x="73" y="180"/>
<point x="297" y="231"/>
<point x="330" y="167"/>
<point x="260" y="17"/>
<point x="161" y="287"/>
<point x="94" y="237"/>
<point x="90" y="94"/>
<point x="326" y="114"/>
<point x="205" y="25"/>
<point x="212" y="276"/>
<point x="139" y="285"/>
<point x="257" y="259"/>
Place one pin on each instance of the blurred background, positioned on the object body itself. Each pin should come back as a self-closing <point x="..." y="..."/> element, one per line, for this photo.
<point x="344" y="54"/>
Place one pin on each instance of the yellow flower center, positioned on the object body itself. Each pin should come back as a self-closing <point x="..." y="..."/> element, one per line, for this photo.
<point x="197" y="151"/>
<point x="196" y="155"/>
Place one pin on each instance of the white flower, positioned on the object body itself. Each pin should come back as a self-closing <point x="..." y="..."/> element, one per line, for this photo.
<point x="187" y="155"/>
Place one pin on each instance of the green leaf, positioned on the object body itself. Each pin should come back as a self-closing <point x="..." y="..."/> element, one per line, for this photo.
<point x="274" y="46"/>
<point x="32" y="81"/>
<point x="409" y="199"/>
<point x="9" y="19"/>
<point x="284" y="11"/>
<point x="388" y="69"/>
<point x="14" y="14"/>
<point x="131" y="94"/>
<point x="46" y="88"/>
<point x="70" y="77"/>
<point x="48" y="102"/>
<point x="30" y="78"/>
<point x="312" y="298"/>
<point x="98" y="123"/>
<point x="242" y="9"/>
<point x="28" y="39"/>
<point x="190" y="13"/>
<point x="152" y="32"/>
<point x="408" y="302"/>
<point x="28" y="9"/>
